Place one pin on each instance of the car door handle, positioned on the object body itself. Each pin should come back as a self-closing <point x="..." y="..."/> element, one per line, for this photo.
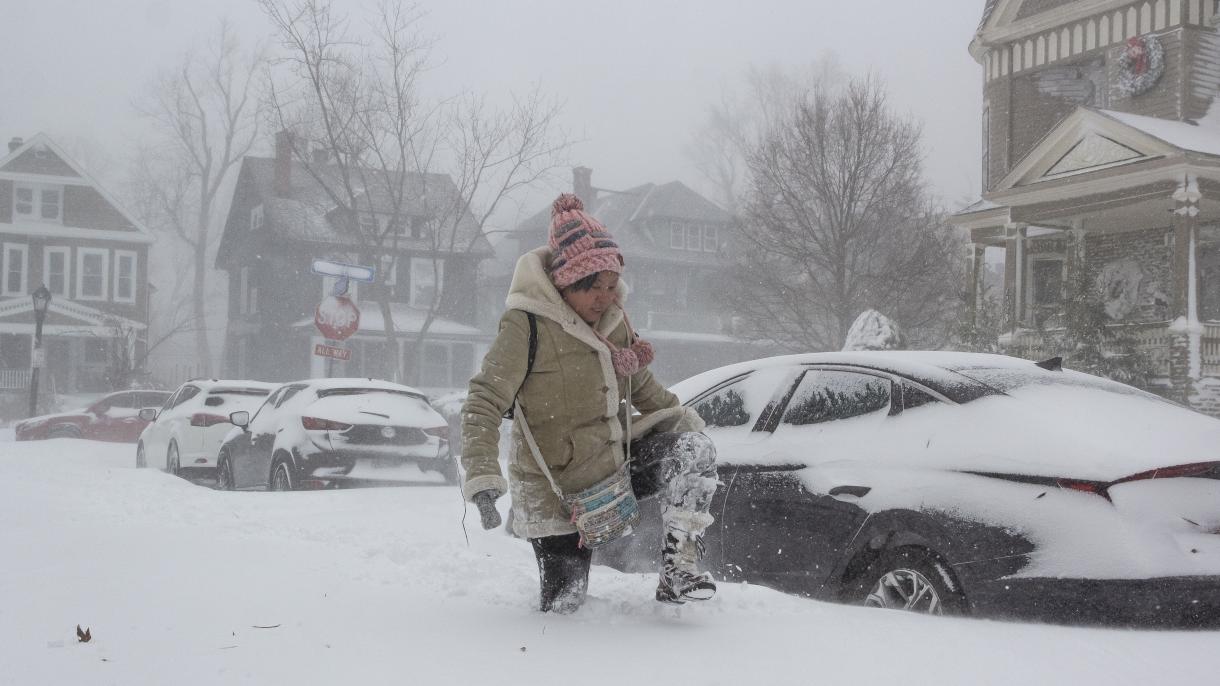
<point x="853" y="491"/>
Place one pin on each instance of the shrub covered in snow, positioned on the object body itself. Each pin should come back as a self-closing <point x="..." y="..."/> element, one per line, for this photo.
<point x="874" y="331"/>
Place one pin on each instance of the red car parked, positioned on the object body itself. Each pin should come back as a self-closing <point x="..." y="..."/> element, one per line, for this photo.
<point x="116" y="417"/>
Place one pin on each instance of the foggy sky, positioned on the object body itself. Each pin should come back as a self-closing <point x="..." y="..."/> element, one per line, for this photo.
<point x="636" y="76"/>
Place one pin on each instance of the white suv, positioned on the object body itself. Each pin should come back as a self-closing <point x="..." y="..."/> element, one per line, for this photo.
<point x="185" y="435"/>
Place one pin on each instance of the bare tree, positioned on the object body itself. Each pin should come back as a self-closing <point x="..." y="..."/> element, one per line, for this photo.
<point x="399" y="173"/>
<point x="204" y="120"/>
<point x="837" y="220"/>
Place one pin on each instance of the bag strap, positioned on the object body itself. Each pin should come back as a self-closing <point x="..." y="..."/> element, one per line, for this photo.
<point x="529" y="362"/>
<point x="533" y="445"/>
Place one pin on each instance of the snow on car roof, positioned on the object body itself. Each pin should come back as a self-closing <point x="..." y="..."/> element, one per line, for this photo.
<point x="374" y="384"/>
<point x="923" y="364"/>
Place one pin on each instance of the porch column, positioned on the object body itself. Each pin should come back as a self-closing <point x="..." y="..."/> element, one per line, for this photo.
<point x="1014" y="274"/>
<point x="977" y="255"/>
<point x="1185" y="358"/>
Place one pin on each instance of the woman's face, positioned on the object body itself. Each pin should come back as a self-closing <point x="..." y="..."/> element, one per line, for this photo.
<point x="591" y="304"/>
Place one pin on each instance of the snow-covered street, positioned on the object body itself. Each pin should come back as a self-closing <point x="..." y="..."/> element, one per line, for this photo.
<point x="185" y="585"/>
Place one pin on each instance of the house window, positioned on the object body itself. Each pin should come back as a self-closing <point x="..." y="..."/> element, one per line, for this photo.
<point x="711" y="242"/>
<point x="15" y="268"/>
<point x="247" y="293"/>
<point x="1046" y="282"/>
<point x="426" y="276"/>
<point x="389" y="270"/>
<point x="419" y="227"/>
<point x="434" y="366"/>
<point x="446" y="365"/>
<point x="677" y="236"/>
<point x="694" y="238"/>
<point x="368" y="224"/>
<point x="55" y="271"/>
<point x="256" y="218"/>
<point x="462" y="357"/>
<point x="91" y="273"/>
<point x="124" y="276"/>
<point x="38" y="202"/>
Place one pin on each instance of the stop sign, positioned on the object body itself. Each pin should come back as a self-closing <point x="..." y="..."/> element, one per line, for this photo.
<point x="337" y="317"/>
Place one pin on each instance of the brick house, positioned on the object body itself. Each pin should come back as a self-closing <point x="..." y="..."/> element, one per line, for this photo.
<point x="673" y="240"/>
<point x="1101" y="153"/>
<point x="281" y="219"/>
<point x="60" y="228"/>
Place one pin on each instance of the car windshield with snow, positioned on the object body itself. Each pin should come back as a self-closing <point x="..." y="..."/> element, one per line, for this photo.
<point x="325" y="433"/>
<point x="959" y="483"/>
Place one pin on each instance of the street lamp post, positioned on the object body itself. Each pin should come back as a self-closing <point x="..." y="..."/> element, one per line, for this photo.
<point x="42" y="300"/>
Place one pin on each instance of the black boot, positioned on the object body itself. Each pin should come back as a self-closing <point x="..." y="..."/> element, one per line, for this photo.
<point x="563" y="572"/>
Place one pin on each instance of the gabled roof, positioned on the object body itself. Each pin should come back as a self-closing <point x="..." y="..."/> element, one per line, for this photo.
<point x="310" y="214"/>
<point x="1091" y="140"/>
<point x="64" y="315"/>
<point x="1005" y="20"/>
<point x="625" y="213"/>
<point x="41" y="156"/>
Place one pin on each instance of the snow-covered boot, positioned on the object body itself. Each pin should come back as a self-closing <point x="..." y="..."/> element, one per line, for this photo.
<point x="681" y="579"/>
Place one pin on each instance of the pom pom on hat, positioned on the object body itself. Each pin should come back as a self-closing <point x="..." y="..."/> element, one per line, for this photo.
<point x="581" y="245"/>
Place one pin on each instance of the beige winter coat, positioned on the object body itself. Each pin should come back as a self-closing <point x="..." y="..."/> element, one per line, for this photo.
<point x="571" y="401"/>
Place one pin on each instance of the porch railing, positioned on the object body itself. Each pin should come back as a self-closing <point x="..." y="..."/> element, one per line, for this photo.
<point x="11" y="379"/>
<point x="1153" y="339"/>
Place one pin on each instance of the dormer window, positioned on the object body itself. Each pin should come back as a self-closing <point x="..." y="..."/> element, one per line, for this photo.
<point x="38" y="202"/>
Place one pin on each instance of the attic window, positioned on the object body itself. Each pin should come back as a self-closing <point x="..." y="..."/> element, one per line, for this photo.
<point x="38" y="202"/>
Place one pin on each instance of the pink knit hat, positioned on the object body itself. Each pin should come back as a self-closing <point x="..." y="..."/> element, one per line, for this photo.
<point x="582" y="246"/>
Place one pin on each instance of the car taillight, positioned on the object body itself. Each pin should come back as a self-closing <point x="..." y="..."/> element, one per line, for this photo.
<point x="1094" y="487"/>
<point x="1209" y="470"/>
<point x="204" y="419"/>
<point x="441" y="432"/>
<point x="316" y="424"/>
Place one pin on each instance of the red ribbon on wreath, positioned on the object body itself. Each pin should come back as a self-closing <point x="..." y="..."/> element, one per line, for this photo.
<point x="1137" y="52"/>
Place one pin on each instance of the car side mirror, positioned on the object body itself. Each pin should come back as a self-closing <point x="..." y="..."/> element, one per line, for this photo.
<point x="148" y="414"/>
<point x="240" y="418"/>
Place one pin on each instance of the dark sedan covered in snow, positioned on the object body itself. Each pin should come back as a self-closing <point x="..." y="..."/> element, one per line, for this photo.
<point x="957" y="483"/>
<point x="327" y="433"/>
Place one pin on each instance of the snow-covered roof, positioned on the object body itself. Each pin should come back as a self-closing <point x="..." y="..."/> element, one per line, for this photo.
<point x="1180" y="134"/>
<point x="980" y="205"/>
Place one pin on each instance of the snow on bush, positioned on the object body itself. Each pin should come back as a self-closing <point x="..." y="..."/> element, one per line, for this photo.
<point x="874" y="331"/>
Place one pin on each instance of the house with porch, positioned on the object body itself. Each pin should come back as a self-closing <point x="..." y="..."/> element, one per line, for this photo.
<point x="60" y="228"/>
<point x="674" y="242"/>
<point x="1101" y="169"/>
<point x="283" y="217"/>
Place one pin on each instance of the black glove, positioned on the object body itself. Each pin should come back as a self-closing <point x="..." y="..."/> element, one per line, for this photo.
<point x="486" y="502"/>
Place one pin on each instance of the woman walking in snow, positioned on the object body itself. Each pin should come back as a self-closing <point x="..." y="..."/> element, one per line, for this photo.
<point x="565" y="298"/>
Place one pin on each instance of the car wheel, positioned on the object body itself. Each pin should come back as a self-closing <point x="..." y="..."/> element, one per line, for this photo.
<point x="911" y="579"/>
<point x="173" y="464"/>
<point x="141" y="461"/>
<point x="224" y="474"/>
<point x="64" y="431"/>
<point x="281" y="476"/>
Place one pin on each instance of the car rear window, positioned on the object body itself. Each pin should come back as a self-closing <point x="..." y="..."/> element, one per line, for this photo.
<point x="330" y="392"/>
<point x="1009" y="379"/>
<point x="217" y="396"/>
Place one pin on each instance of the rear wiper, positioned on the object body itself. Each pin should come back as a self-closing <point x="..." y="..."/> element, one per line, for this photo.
<point x="375" y="414"/>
